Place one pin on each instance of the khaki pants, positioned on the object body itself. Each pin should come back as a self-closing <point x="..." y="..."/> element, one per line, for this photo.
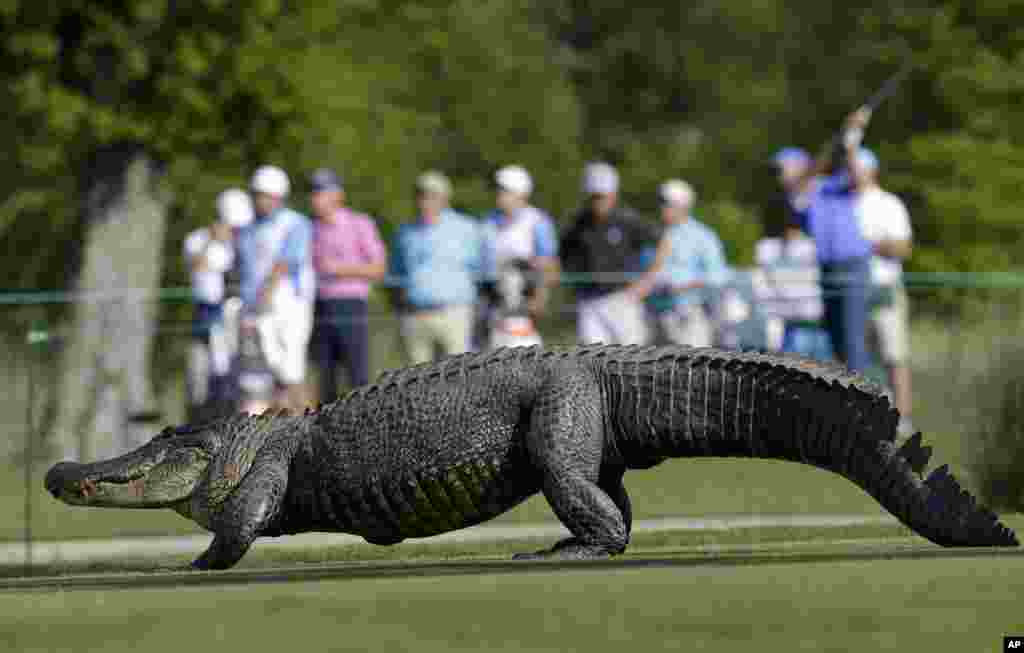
<point x="449" y="328"/>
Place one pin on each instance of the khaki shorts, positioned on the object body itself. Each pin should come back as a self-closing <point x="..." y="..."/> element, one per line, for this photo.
<point x="888" y="330"/>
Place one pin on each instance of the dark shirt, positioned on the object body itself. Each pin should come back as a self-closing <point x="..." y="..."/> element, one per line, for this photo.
<point x="612" y="250"/>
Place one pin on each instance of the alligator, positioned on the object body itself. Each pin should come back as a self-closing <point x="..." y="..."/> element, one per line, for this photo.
<point x="445" y="445"/>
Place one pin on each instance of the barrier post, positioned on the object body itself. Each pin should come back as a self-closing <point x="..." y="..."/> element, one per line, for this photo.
<point x="36" y="336"/>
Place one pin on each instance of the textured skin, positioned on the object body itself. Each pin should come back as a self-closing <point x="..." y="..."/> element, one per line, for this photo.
<point x="445" y="445"/>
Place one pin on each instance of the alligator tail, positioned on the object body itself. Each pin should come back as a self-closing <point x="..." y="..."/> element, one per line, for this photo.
<point x="684" y="402"/>
<point x="935" y="507"/>
<point x="849" y="428"/>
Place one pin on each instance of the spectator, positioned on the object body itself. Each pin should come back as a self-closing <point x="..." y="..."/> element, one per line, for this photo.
<point x="830" y="218"/>
<point x="518" y="230"/>
<point x="347" y="255"/>
<point x="521" y="249"/>
<point x="437" y="263"/>
<point x="885" y="222"/>
<point x="604" y="249"/>
<point x="689" y="262"/>
<point x="210" y="253"/>
<point x="797" y="178"/>
<point x="791" y="295"/>
<point x="277" y="280"/>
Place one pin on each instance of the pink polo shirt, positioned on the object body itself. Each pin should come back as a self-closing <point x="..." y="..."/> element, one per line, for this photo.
<point x="350" y="238"/>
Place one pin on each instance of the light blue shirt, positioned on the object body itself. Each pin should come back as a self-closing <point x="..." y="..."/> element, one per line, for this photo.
<point x="283" y="236"/>
<point x="439" y="264"/>
<point x="697" y="255"/>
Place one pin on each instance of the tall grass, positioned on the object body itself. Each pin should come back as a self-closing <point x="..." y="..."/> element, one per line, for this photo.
<point x="997" y="438"/>
<point x="969" y="385"/>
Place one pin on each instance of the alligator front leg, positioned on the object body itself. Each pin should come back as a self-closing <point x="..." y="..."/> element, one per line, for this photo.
<point x="245" y="514"/>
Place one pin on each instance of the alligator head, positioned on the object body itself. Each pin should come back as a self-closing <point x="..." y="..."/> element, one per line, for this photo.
<point x="189" y="469"/>
<point x="162" y="473"/>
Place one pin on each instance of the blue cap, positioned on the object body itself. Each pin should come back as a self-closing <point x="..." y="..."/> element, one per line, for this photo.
<point x="791" y="155"/>
<point x="324" y="179"/>
<point x="867" y="159"/>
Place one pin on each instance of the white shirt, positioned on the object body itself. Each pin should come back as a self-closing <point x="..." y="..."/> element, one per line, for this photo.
<point x="514" y="238"/>
<point x="208" y="282"/>
<point x="883" y="216"/>
<point x="790" y="287"/>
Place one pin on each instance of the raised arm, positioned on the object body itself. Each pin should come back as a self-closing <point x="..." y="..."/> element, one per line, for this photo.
<point x="645" y="284"/>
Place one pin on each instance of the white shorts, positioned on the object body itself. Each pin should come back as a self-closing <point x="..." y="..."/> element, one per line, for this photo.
<point x="888" y="330"/>
<point x="688" y="324"/>
<point x="284" y="333"/>
<point x="617" y="318"/>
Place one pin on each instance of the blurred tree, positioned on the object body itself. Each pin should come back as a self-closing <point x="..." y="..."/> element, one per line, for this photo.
<point x="382" y="88"/>
<point x="174" y="78"/>
<point x="99" y="95"/>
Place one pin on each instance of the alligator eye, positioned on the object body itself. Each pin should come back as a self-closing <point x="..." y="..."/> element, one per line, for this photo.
<point x="165" y="434"/>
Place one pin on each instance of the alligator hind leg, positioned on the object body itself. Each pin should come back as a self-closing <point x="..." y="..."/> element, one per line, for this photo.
<point x="610" y="481"/>
<point x="566" y="444"/>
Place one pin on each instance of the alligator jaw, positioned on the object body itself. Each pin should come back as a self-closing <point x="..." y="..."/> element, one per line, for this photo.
<point x="152" y="477"/>
<point x="67" y="483"/>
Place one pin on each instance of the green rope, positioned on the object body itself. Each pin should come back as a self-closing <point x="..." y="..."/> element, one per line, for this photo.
<point x="959" y="280"/>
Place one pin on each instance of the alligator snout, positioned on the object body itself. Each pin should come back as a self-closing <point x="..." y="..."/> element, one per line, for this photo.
<point x="58" y="480"/>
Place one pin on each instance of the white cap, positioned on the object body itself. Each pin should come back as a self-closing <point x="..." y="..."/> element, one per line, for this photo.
<point x="434" y="183"/>
<point x="676" y="192"/>
<point x="234" y="207"/>
<point x="270" y="180"/>
<point x="600" y="179"/>
<point x="514" y="179"/>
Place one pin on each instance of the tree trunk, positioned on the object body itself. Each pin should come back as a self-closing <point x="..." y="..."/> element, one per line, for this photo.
<point x="104" y="382"/>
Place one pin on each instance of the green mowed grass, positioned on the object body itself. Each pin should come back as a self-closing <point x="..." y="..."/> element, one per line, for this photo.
<point x="960" y="604"/>
<point x="693" y="544"/>
<point x="669" y="542"/>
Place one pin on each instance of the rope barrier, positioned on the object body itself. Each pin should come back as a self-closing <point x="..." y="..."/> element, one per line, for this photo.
<point x="911" y="280"/>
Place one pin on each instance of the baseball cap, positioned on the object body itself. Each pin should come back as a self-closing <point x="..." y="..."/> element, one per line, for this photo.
<point x="867" y="159"/>
<point x="234" y="207"/>
<point x="514" y="179"/>
<point x="324" y="179"/>
<point x="600" y="179"/>
<point x="433" y="182"/>
<point x="676" y="192"/>
<point x="270" y="180"/>
<point x="791" y="155"/>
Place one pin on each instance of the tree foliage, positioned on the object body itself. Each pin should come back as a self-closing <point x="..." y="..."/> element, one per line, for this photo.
<point x="381" y="89"/>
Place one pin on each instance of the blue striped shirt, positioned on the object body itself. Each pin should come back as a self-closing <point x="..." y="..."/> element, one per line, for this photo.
<point x="438" y="264"/>
<point x="284" y="236"/>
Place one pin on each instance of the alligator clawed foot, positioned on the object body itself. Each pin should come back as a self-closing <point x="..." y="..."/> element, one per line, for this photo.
<point x="568" y="550"/>
<point x="530" y="555"/>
